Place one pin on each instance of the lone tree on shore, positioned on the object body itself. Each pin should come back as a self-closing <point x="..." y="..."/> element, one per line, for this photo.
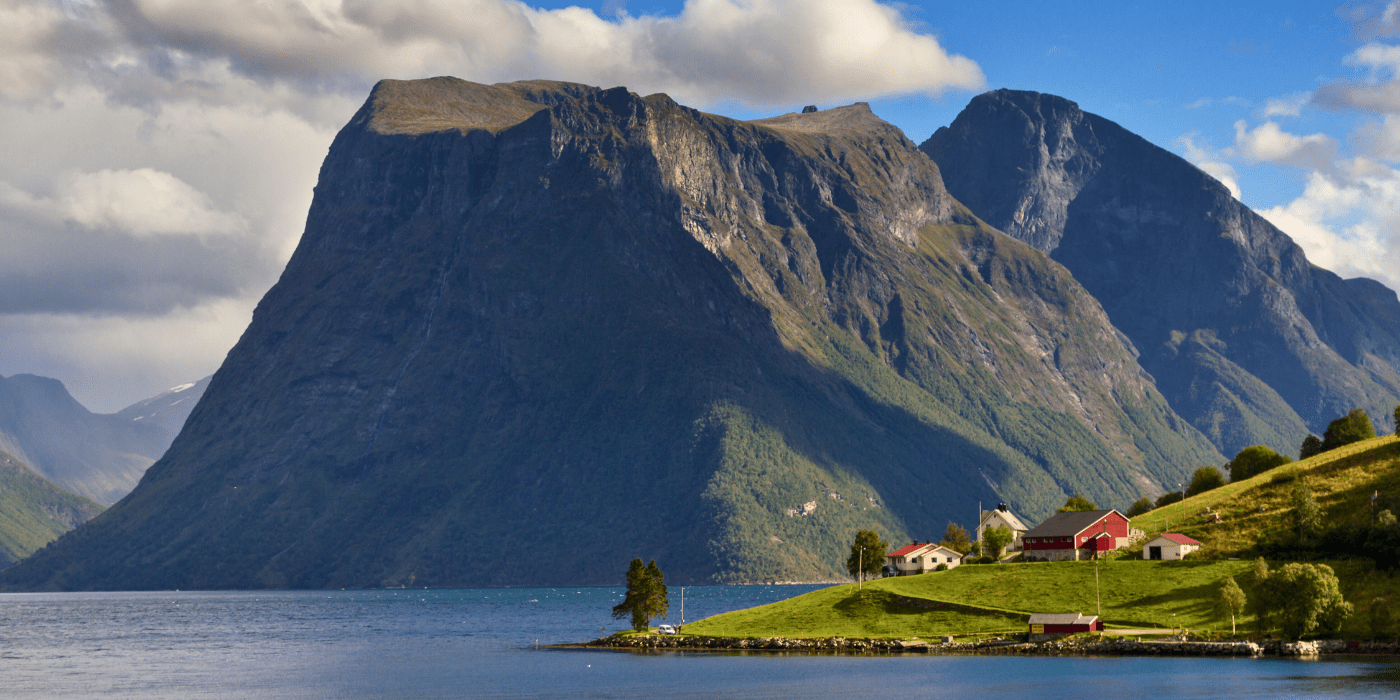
<point x="1230" y="601"/>
<point x="867" y="555"/>
<point x="646" y="595"/>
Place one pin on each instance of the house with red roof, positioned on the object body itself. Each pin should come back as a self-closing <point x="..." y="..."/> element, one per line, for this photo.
<point x="1076" y="535"/>
<point x="1169" y="546"/>
<point x="918" y="558"/>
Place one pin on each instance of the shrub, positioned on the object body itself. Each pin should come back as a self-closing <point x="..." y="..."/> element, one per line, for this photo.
<point x="1382" y="621"/>
<point x="1140" y="506"/>
<point x="1205" y="479"/>
<point x="1169" y="498"/>
<point x="941" y="567"/>
<point x="1253" y="460"/>
<point x="1355" y="426"/>
<point x="1311" y="446"/>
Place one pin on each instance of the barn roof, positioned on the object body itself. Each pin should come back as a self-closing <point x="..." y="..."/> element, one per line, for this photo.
<point x="1179" y="539"/>
<point x="1068" y="524"/>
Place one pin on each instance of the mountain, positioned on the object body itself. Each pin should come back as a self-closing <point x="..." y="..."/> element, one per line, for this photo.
<point x="168" y="410"/>
<point x="97" y="456"/>
<point x="533" y="330"/>
<point x="1245" y="338"/>
<point x="33" y="511"/>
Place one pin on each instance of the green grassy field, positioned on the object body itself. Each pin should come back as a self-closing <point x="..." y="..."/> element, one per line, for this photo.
<point x="992" y="598"/>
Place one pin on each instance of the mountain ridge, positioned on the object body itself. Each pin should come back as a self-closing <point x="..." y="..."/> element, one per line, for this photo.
<point x="540" y="311"/>
<point x="1252" y="343"/>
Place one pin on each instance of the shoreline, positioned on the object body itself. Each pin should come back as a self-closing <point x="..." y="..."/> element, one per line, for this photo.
<point x="1070" y="646"/>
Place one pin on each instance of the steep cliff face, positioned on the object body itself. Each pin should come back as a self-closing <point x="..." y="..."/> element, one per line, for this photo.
<point x="534" y="330"/>
<point x="1245" y="338"/>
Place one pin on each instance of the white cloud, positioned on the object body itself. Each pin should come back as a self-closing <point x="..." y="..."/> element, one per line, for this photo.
<point x="1348" y="225"/>
<point x="142" y="202"/>
<point x="1270" y="143"/>
<point x="1290" y="106"/>
<point x="761" y="52"/>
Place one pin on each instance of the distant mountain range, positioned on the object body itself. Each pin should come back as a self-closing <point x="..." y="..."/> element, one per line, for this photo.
<point x="1247" y="340"/>
<point x="536" y="329"/>
<point x="96" y="456"/>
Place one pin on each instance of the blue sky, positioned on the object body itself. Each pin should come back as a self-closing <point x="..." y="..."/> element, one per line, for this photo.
<point x="161" y="154"/>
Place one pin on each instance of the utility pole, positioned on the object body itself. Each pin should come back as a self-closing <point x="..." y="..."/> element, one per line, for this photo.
<point x="682" y="605"/>
<point x="1098" y="602"/>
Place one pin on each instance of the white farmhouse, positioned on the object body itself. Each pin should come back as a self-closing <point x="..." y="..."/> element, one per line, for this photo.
<point x="918" y="558"/>
<point x="1169" y="546"/>
<point x="1002" y="517"/>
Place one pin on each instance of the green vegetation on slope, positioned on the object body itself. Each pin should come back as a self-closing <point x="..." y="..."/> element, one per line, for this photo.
<point x="993" y="598"/>
<point x="33" y="512"/>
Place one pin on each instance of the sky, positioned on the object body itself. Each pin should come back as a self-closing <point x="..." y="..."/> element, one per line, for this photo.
<point x="160" y="155"/>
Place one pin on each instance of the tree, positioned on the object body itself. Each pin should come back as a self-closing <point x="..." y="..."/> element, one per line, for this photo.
<point x="956" y="538"/>
<point x="1307" y="515"/>
<point x="1140" y="506"/>
<point x="1167" y="499"/>
<point x="646" y="595"/>
<point x="995" y="539"/>
<point x="867" y="555"/>
<point x="1261" y="604"/>
<point x="1252" y="461"/>
<point x="1230" y="601"/>
<point x="1305" y="599"/>
<point x="1381" y="619"/>
<point x="1312" y="446"/>
<point x="1077" y="503"/>
<point x="1355" y="426"/>
<point x="1205" y="479"/>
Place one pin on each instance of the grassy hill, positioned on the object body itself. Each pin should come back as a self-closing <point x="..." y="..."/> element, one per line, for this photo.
<point x="1133" y="593"/>
<point x="1255" y="510"/>
<point x="33" y="512"/>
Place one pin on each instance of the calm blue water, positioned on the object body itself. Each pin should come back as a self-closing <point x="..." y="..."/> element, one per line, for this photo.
<point x="480" y="644"/>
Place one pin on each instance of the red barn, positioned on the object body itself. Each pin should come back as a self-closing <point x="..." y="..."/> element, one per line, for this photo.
<point x="1050" y="625"/>
<point x="1081" y="535"/>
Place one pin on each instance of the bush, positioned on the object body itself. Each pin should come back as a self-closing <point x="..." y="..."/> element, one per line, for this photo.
<point x="941" y="567"/>
<point x="1355" y="426"/>
<point x="1169" y="498"/>
<point x="1283" y="478"/>
<point x="1205" y="479"/>
<point x="985" y="560"/>
<point x="1254" y="460"/>
<point x="1382" y="621"/>
<point x="1140" y="506"/>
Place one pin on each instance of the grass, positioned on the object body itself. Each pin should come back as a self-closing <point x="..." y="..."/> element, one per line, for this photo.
<point x="1256" y="509"/>
<point x="985" y="599"/>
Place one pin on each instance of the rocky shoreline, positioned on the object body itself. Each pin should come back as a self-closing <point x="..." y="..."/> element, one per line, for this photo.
<point x="1070" y="646"/>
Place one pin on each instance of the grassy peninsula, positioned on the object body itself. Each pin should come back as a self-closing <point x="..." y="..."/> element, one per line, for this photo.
<point x="1132" y="593"/>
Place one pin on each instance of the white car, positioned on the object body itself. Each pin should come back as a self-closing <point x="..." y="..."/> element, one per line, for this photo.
<point x="665" y="629"/>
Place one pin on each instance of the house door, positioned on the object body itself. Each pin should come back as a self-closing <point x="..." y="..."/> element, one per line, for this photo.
<point x="1154" y="553"/>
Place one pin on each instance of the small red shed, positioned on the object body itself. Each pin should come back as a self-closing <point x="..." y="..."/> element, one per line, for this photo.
<point x="1045" y="626"/>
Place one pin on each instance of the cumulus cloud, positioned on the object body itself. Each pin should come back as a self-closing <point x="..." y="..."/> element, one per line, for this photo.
<point x="761" y="52"/>
<point x="1269" y="143"/>
<point x="1349" y="225"/>
<point x="141" y="202"/>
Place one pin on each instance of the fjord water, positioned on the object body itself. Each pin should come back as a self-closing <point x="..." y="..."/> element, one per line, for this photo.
<point x="481" y="644"/>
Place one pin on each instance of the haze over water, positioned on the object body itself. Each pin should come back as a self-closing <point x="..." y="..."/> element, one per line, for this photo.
<point x="480" y="644"/>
